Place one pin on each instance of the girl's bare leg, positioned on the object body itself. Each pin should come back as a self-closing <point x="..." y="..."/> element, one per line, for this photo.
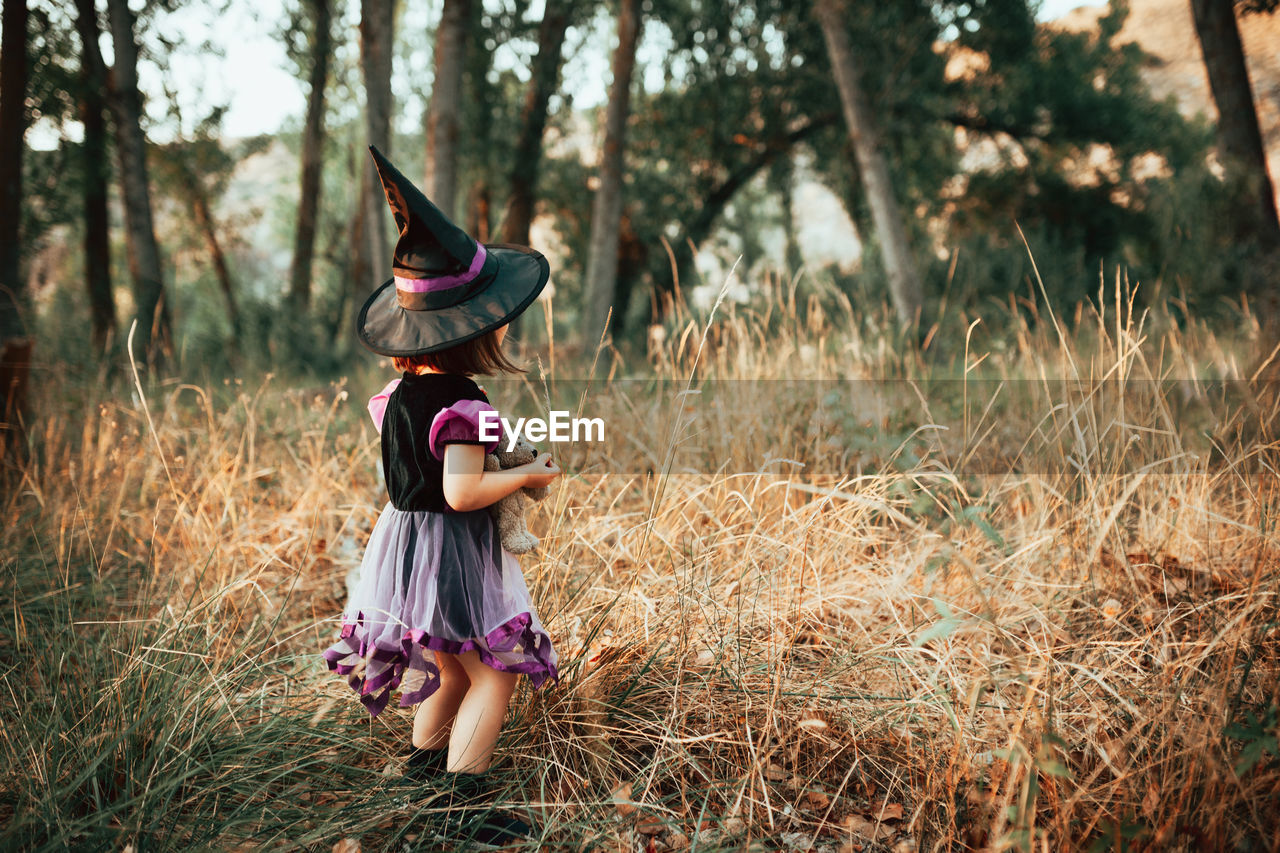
<point x="434" y="717"/>
<point x="475" y="730"/>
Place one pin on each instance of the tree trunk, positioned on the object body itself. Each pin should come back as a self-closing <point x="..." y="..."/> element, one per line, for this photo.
<point x="481" y="202"/>
<point x="312" y="158"/>
<point x="13" y="127"/>
<point x="377" y="31"/>
<point x="606" y="211"/>
<point x="97" y="238"/>
<point x="1238" y="132"/>
<point x="545" y="77"/>
<point x="348" y="261"/>
<point x="904" y="283"/>
<point x="154" y="327"/>
<point x="362" y="280"/>
<point x="443" y="113"/>
<point x="204" y="221"/>
<point x="15" y="342"/>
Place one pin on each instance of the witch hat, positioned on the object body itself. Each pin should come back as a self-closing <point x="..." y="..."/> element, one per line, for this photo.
<point x="446" y="288"/>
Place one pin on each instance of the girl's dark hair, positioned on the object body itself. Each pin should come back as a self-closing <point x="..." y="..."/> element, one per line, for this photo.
<point x="482" y="355"/>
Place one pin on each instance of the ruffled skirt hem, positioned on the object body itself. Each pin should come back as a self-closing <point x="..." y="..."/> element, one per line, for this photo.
<point x="373" y="672"/>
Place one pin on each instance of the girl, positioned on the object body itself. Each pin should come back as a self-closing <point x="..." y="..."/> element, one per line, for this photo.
<point x="441" y="610"/>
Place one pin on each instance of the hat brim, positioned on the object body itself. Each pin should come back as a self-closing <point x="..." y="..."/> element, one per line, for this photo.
<point x="386" y="328"/>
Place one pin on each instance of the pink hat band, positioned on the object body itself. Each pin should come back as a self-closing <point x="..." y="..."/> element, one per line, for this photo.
<point x="422" y="294"/>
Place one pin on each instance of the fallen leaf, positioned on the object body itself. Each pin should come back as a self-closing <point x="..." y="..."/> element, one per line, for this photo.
<point x="677" y="839"/>
<point x="622" y="800"/>
<point x="886" y="811"/>
<point x="774" y="773"/>
<point x="796" y="841"/>
<point x="858" y="825"/>
<point x="650" y="826"/>
<point x="347" y="845"/>
<point x="816" y="799"/>
<point x="565" y="789"/>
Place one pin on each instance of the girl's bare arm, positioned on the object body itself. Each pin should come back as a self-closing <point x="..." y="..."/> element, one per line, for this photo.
<point x="468" y="486"/>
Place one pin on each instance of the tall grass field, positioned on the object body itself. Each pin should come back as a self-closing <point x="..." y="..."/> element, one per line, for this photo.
<point x="816" y="590"/>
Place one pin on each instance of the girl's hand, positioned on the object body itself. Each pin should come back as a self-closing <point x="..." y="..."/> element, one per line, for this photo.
<point x="540" y="472"/>
<point x="467" y="486"/>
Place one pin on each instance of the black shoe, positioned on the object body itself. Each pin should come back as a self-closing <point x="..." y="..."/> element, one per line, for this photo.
<point x="423" y="764"/>
<point x="472" y="817"/>
<point x="499" y="829"/>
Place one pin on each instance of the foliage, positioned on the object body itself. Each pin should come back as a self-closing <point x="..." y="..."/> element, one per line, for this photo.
<point x="1042" y="133"/>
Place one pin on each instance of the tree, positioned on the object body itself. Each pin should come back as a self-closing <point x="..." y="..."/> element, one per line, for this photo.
<point x="544" y="78"/>
<point x="377" y="31"/>
<point x="442" y="118"/>
<point x="904" y="282"/>
<point x="14" y="361"/>
<point x="97" y="238"/>
<point x="198" y="170"/>
<point x="313" y="136"/>
<point x="154" y="325"/>
<point x="13" y="126"/>
<point x="1238" y="132"/>
<point x="606" y="212"/>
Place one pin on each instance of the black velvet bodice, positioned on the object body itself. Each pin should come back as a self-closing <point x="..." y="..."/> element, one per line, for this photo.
<point x="415" y="477"/>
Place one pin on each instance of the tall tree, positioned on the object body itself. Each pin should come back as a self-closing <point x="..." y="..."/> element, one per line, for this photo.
<point x="904" y="283"/>
<point x="1238" y="133"/>
<point x="606" y="211"/>
<point x="13" y="125"/>
<point x="544" y="78"/>
<point x="97" y="243"/>
<point x="193" y="165"/>
<point x="443" y="113"/>
<point x="154" y="326"/>
<point x="377" y="33"/>
<point x="312" y="152"/>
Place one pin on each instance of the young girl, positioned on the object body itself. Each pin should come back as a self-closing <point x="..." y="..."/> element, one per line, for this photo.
<point x="441" y="610"/>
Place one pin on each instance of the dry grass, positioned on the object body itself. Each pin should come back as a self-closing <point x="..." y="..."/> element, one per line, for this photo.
<point x="1051" y="626"/>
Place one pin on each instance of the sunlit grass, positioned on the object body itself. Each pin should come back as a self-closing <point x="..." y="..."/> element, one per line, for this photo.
<point x="1050" y="625"/>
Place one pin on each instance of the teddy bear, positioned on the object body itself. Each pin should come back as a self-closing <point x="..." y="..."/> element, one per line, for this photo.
<point x="509" y="512"/>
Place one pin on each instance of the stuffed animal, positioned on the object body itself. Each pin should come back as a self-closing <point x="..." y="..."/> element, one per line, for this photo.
<point x="509" y="512"/>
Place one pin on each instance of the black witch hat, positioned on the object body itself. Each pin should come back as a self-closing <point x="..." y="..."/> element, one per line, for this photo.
<point x="446" y="287"/>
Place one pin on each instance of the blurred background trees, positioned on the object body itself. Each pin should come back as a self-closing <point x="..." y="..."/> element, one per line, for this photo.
<point x="971" y="125"/>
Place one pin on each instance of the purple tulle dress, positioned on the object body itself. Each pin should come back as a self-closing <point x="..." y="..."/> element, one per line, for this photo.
<point x="432" y="580"/>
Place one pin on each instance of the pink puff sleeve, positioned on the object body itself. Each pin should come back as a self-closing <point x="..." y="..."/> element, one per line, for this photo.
<point x="378" y="403"/>
<point x="461" y="423"/>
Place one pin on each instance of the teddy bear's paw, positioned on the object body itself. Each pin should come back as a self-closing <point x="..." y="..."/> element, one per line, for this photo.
<point x="520" y="543"/>
<point x="538" y="493"/>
